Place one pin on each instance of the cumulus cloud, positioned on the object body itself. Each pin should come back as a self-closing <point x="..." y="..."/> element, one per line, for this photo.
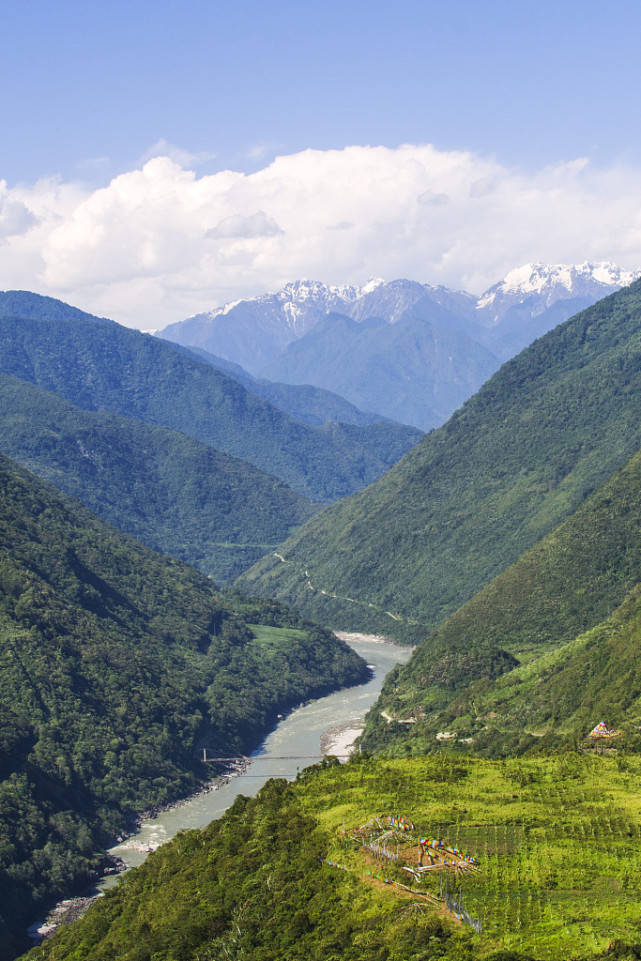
<point x="160" y="242"/>
<point x="15" y="217"/>
<point x="255" y="225"/>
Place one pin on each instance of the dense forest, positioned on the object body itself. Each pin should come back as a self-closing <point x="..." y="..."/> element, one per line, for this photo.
<point x="173" y="493"/>
<point x="472" y="496"/>
<point x="99" y="365"/>
<point x="117" y="664"/>
<point x="286" y="875"/>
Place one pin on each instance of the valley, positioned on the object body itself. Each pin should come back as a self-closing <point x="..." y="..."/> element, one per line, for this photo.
<point x="117" y="664"/>
<point x="320" y="482"/>
<point x="502" y="549"/>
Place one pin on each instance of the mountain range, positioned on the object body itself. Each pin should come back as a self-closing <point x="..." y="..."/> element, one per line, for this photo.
<point x="472" y="496"/>
<point x="414" y="351"/>
<point x="506" y="543"/>
<point x="98" y="365"/>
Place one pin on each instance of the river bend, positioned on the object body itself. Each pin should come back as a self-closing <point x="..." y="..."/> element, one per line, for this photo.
<point x="338" y="716"/>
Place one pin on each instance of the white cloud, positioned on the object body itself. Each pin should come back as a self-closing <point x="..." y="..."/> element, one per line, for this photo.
<point x="15" y="217"/>
<point x="184" y="158"/>
<point x="159" y="243"/>
<point x="255" y="225"/>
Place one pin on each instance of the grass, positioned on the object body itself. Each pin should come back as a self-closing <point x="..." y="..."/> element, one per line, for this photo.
<point x="275" y="637"/>
<point x="559" y="877"/>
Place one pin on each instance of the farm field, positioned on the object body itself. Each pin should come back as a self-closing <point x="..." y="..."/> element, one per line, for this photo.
<point x="558" y="841"/>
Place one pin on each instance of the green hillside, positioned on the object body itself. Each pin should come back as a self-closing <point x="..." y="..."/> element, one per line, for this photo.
<point x="279" y="878"/>
<point x="116" y="664"/>
<point x="569" y="582"/>
<point x="472" y="496"/>
<point x="551" y="702"/>
<point x="173" y="493"/>
<point x="559" y="697"/>
<point x="99" y="365"/>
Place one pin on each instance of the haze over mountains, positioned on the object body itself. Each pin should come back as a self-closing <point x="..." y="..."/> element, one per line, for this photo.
<point x="412" y="352"/>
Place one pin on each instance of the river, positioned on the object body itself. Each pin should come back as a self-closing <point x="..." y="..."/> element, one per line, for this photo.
<point x="335" y="719"/>
<point x="339" y="716"/>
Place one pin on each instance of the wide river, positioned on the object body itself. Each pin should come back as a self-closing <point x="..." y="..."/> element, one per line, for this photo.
<point x="337" y="718"/>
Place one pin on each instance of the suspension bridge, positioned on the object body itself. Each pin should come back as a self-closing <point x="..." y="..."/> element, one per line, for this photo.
<point x="243" y="758"/>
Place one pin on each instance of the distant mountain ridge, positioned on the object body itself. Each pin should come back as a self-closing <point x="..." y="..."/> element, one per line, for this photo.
<point x="101" y="366"/>
<point x="418" y="369"/>
<point x="277" y="335"/>
<point x="549" y="283"/>
<point x="534" y="298"/>
<point x="174" y="493"/>
<point x="308" y="404"/>
<point x="254" y="331"/>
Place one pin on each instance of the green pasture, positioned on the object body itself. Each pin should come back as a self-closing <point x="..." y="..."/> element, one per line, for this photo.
<point x="275" y="637"/>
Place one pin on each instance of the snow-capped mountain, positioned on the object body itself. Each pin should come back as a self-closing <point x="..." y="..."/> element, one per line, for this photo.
<point x="254" y="331"/>
<point x="419" y="349"/>
<point x="542" y="285"/>
<point x="301" y="300"/>
<point x="534" y="298"/>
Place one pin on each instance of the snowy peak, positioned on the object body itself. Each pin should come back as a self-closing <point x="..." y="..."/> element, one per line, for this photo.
<point x="529" y="301"/>
<point x="548" y="283"/>
<point x="304" y="291"/>
<point x="300" y="297"/>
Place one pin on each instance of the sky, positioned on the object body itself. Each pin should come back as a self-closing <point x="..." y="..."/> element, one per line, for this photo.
<point x="159" y="159"/>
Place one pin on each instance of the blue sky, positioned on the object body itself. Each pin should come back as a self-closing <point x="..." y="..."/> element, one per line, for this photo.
<point x="160" y="159"/>
<point x="89" y="88"/>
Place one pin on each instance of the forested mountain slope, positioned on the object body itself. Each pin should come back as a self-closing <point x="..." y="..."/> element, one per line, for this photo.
<point x="116" y="664"/>
<point x="557" y="699"/>
<point x="173" y="493"/>
<point x="416" y="370"/>
<point x="279" y="878"/>
<point x="99" y="365"/>
<point x="549" y="703"/>
<point x="570" y="582"/>
<point x="305" y="403"/>
<point x="24" y="303"/>
<point x="472" y="496"/>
